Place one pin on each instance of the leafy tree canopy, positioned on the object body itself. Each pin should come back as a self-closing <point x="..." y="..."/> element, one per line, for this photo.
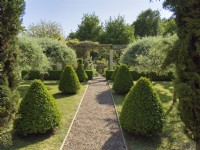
<point x="49" y="29"/>
<point x="117" y="31"/>
<point x="30" y="53"/>
<point x="89" y="29"/>
<point x="147" y="23"/>
<point x="169" y="26"/>
<point x="153" y="59"/>
<point x="57" y="51"/>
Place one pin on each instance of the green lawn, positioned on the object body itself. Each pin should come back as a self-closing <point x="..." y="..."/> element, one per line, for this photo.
<point x="173" y="137"/>
<point x="67" y="105"/>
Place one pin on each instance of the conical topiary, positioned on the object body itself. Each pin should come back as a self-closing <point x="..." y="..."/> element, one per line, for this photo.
<point x="142" y="112"/>
<point x="69" y="82"/>
<point x="38" y="112"/>
<point x="123" y="80"/>
<point x="82" y="76"/>
<point x="115" y="72"/>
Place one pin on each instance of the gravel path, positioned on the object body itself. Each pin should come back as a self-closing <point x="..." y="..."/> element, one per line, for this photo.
<point x="96" y="126"/>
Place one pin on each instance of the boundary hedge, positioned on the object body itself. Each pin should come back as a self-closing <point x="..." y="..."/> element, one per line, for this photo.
<point x="51" y="75"/>
<point x="136" y="76"/>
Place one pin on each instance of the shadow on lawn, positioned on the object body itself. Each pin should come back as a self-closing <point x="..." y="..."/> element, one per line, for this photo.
<point x="23" y="141"/>
<point x="60" y="95"/>
<point x="14" y="141"/>
<point x="138" y="142"/>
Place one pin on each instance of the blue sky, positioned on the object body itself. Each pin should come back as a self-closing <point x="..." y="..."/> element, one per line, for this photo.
<point x="68" y="13"/>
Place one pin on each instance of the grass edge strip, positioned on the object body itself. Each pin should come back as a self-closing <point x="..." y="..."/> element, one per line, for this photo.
<point x="117" y="117"/>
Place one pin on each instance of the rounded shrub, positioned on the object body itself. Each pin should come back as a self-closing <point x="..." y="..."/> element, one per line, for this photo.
<point x="114" y="73"/>
<point x="123" y="80"/>
<point x="82" y="76"/>
<point x="69" y="82"/>
<point x="38" y="112"/>
<point x="142" y="112"/>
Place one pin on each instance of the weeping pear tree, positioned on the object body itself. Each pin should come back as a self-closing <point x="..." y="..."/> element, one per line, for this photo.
<point x="11" y="12"/>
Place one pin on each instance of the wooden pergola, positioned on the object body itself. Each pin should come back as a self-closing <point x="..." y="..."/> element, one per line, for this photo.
<point x="88" y="46"/>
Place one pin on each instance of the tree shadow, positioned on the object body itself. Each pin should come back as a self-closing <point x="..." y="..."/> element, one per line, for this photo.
<point x="19" y="141"/>
<point x="60" y="95"/>
<point x="165" y="98"/>
<point x="104" y="98"/>
<point x="140" y="142"/>
<point x="115" y="142"/>
<point x="170" y="109"/>
<point x="23" y="141"/>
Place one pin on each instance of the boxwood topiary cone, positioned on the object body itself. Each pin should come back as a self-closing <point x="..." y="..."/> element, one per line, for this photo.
<point x="82" y="76"/>
<point x="115" y="72"/>
<point x="69" y="82"/>
<point x="123" y="80"/>
<point x="38" y="112"/>
<point x="142" y="112"/>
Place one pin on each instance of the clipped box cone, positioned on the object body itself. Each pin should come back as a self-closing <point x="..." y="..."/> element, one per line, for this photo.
<point x="69" y="82"/>
<point x="142" y="112"/>
<point x="82" y="76"/>
<point x="38" y="112"/>
<point x="123" y="80"/>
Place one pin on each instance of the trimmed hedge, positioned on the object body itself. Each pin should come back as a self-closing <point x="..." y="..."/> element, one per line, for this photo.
<point x="30" y="75"/>
<point x="153" y="76"/>
<point x="55" y="75"/>
<point x="89" y="74"/>
<point x="38" y="112"/>
<point x="69" y="82"/>
<point x="109" y="74"/>
<point x="123" y="80"/>
<point x="142" y="111"/>
<point x="51" y="75"/>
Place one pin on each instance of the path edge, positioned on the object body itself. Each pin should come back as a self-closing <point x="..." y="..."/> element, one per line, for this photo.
<point x="63" y="143"/>
<point x="117" y="116"/>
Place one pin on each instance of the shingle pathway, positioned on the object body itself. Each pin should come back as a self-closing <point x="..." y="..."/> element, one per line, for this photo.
<point x="96" y="125"/>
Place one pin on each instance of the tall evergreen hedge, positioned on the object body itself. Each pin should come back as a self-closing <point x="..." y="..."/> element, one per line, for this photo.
<point x="186" y="57"/>
<point x="142" y="112"/>
<point x="123" y="80"/>
<point x="69" y="82"/>
<point x="8" y="105"/>
<point x="38" y="112"/>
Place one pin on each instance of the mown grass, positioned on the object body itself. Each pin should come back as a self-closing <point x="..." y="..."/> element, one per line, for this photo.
<point x="67" y="105"/>
<point x="173" y="137"/>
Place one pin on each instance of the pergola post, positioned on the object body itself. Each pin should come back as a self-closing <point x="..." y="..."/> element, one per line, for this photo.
<point x="111" y="60"/>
